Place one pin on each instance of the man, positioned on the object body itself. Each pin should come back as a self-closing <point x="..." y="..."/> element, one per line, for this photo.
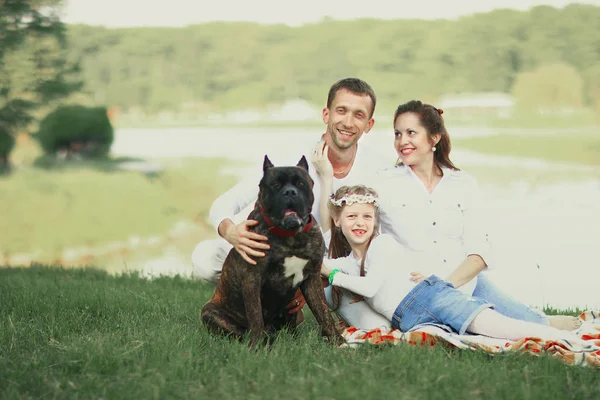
<point x="348" y="115"/>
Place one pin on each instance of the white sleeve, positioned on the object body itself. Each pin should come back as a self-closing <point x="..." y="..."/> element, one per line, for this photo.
<point x="234" y="201"/>
<point x="346" y="265"/>
<point x="476" y="229"/>
<point x="383" y="254"/>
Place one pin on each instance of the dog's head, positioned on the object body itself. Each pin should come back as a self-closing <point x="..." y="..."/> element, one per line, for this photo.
<point x="286" y="195"/>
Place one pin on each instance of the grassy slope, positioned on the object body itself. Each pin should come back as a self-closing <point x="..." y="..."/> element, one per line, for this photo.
<point x="85" y="334"/>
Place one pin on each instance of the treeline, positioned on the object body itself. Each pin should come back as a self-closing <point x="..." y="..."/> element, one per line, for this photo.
<point x="223" y="66"/>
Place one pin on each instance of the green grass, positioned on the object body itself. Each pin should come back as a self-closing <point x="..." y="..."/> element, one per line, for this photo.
<point x="86" y="334"/>
<point x="93" y="203"/>
<point x="572" y="147"/>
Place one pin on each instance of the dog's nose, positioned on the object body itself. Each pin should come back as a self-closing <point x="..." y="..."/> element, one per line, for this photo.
<point x="290" y="191"/>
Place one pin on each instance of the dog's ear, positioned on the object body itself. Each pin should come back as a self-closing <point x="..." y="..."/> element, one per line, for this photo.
<point x="267" y="164"/>
<point x="303" y="163"/>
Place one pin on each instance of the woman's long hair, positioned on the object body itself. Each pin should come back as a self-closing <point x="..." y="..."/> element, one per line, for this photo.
<point x="338" y="245"/>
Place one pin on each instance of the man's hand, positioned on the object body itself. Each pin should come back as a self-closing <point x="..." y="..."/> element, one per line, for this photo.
<point x="297" y="302"/>
<point x="244" y="241"/>
<point x="320" y="160"/>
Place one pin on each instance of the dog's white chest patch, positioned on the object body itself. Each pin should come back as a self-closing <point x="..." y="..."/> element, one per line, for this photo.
<point x="294" y="266"/>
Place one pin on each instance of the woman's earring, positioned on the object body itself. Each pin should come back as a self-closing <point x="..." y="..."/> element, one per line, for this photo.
<point x="433" y="149"/>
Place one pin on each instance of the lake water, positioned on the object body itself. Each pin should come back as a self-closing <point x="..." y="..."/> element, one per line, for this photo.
<point x="555" y="225"/>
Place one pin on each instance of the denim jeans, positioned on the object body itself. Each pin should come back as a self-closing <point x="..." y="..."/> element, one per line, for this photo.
<point x="434" y="301"/>
<point x="504" y="304"/>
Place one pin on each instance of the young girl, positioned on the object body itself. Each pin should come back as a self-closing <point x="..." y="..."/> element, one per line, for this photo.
<point x="374" y="266"/>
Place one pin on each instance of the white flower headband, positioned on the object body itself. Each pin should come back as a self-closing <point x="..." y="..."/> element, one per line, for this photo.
<point x="355" y="198"/>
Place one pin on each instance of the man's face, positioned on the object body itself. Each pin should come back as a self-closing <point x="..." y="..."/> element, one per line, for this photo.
<point x="348" y="118"/>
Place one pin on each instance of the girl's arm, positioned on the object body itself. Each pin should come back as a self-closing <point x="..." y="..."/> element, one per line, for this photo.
<point x="324" y="169"/>
<point x="384" y="253"/>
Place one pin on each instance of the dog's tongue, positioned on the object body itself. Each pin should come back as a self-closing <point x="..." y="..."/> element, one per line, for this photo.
<point x="289" y="212"/>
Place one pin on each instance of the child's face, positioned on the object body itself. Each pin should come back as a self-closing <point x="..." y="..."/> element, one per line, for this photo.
<point x="357" y="222"/>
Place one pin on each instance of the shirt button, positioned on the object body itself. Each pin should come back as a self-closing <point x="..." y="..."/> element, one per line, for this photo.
<point x="434" y="223"/>
<point x="435" y="241"/>
<point x="444" y="260"/>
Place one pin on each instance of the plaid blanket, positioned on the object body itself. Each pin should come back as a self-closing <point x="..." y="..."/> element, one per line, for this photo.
<point x="586" y="353"/>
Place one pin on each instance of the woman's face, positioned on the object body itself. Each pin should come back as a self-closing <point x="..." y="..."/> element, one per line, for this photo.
<point x="412" y="142"/>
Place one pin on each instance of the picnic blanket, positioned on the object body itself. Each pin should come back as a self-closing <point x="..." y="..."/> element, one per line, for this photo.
<point x="586" y="353"/>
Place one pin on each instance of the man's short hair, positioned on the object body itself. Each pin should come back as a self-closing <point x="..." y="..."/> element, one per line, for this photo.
<point x="353" y="85"/>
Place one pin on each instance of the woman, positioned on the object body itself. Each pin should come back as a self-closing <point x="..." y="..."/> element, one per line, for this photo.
<point x="431" y="207"/>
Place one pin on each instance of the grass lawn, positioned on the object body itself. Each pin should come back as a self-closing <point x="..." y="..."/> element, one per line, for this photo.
<point x="86" y="334"/>
<point x="579" y="148"/>
<point x="93" y="203"/>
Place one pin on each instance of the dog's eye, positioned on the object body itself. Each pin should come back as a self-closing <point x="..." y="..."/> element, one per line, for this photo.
<point x="276" y="185"/>
<point x="300" y="184"/>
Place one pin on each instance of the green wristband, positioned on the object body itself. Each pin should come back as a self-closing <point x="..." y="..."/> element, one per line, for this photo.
<point x="331" y="275"/>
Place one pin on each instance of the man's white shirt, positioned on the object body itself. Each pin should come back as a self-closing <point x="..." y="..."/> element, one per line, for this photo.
<point x="238" y="201"/>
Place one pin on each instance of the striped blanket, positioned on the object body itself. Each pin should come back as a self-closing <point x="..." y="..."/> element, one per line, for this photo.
<point x="585" y="353"/>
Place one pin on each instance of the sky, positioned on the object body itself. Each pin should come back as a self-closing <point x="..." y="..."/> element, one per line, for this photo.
<point x="129" y="13"/>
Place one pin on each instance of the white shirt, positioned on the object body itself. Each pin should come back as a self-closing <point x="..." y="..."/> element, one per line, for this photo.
<point x="439" y="229"/>
<point x="238" y="201"/>
<point x="387" y="275"/>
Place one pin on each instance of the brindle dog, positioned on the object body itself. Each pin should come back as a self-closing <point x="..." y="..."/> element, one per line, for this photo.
<point x="253" y="298"/>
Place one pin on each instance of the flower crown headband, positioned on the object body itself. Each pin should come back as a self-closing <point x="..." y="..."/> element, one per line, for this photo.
<point x="350" y="199"/>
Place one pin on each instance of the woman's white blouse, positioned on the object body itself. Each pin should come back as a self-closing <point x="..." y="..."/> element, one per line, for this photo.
<point x="439" y="229"/>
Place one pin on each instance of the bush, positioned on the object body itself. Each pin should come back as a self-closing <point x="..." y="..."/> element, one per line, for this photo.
<point x="76" y="131"/>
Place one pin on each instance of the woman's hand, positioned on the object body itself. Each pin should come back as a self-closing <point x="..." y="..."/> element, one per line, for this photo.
<point x="417" y="277"/>
<point x="297" y="302"/>
<point x="320" y="160"/>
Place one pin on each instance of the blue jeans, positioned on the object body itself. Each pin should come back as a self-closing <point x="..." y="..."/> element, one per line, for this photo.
<point x="504" y="304"/>
<point x="434" y="301"/>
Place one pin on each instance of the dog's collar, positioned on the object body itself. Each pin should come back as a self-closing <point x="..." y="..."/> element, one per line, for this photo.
<point x="275" y="230"/>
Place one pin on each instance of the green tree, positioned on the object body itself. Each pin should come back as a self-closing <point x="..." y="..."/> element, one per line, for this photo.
<point x="76" y="130"/>
<point x="34" y="65"/>
<point x="592" y="95"/>
<point x="549" y="87"/>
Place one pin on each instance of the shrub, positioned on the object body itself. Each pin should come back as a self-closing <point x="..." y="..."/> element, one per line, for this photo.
<point x="76" y="131"/>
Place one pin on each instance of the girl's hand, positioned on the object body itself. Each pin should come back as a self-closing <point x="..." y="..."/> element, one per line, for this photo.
<point x="320" y="160"/>
<point x="417" y="277"/>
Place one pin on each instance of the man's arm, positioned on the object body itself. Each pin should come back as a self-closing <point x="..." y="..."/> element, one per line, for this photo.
<point x="244" y="241"/>
<point x="324" y="170"/>
<point x="229" y="207"/>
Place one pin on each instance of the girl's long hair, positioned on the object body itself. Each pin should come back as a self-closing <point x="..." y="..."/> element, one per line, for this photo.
<point x="338" y="245"/>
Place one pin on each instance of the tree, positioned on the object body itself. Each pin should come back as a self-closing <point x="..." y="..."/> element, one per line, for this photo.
<point x="34" y="67"/>
<point x="550" y="87"/>
<point x="592" y="77"/>
<point x="7" y="143"/>
<point x="76" y="131"/>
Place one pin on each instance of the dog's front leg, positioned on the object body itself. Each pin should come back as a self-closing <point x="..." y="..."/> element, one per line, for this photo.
<point x="253" y="306"/>
<point x="312" y="290"/>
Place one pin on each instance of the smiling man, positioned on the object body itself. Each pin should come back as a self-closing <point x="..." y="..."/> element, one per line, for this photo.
<point x="348" y="115"/>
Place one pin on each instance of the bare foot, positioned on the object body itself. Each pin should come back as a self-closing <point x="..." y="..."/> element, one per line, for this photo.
<point x="564" y="322"/>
